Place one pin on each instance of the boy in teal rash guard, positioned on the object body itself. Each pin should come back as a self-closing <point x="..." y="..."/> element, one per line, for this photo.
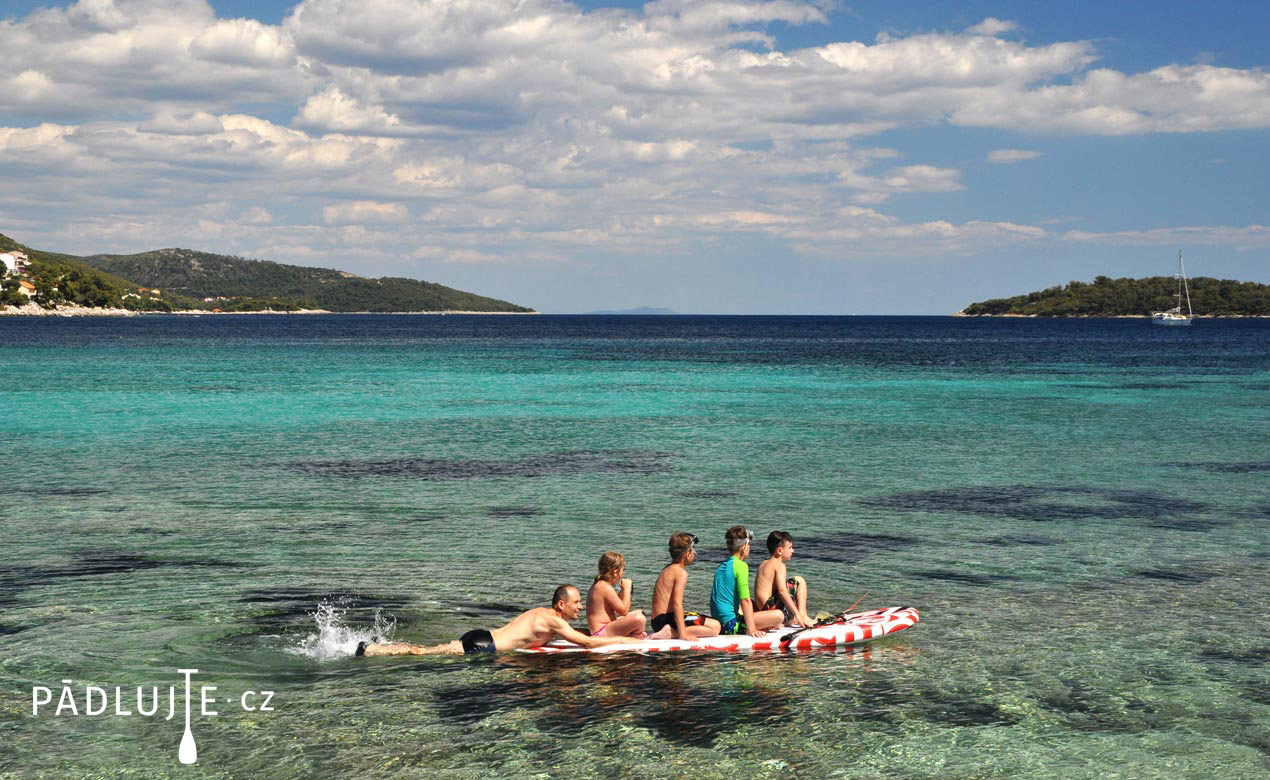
<point x="730" y="596"/>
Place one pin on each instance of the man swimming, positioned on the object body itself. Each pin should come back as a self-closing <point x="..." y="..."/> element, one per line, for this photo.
<point x="534" y="628"/>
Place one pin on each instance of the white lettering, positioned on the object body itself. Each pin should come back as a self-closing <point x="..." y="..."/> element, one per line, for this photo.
<point x="88" y="700"/>
<point x="66" y="700"/>
<point x="119" y="710"/>
<point x="35" y="698"/>
<point x="247" y="695"/>
<point x="206" y="700"/>
<point x="154" y="700"/>
<point x="268" y="698"/>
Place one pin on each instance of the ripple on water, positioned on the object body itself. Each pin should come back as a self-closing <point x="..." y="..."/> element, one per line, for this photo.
<point x="1252" y="467"/>
<point x="65" y="491"/>
<point x="91" y="563"/>
<point x="1037" y="502"/>
<point x="1017" y="540"/>
<point x="848" y="547"/>
<point x="1178" y="574"/>
<point x="706" y="493"/>
<point x="617" y="461"/>
<point x="514" y="511"/>
<point x="963" y="578"/>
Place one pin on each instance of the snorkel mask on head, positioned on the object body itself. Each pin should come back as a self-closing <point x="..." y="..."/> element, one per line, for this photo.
<point x="738" y="543"/>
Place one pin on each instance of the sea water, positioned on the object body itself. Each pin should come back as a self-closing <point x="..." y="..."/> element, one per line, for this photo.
<point x="1078" y="508"/>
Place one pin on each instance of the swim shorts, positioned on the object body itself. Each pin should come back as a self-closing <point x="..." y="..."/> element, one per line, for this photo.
<point x="668" y="619"/>
<point x="477" y="641"/>
<point x="735" y="626"/>
<point x="774" y="601"/>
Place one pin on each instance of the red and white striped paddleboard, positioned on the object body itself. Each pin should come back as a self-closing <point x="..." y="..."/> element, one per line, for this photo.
<point x="846" y="630"/>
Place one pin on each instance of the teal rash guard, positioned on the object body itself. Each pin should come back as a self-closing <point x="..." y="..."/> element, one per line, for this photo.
<point x="731" y="585"/>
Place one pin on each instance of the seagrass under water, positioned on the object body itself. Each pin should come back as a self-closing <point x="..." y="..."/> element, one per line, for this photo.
<point x="1078" y="508"/>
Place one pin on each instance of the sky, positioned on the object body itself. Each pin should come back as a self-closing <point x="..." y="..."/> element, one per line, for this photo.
<point x="708" y="156"/>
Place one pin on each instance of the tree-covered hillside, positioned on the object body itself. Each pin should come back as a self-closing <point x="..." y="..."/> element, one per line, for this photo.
<point x="204" y="275"/>
<point x="62" y="279"/>
<point x="1107" y="297"/>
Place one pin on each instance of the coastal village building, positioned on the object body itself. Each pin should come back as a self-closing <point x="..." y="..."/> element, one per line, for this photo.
<point x="27" y="288"/>
<point x="14" y="263"/>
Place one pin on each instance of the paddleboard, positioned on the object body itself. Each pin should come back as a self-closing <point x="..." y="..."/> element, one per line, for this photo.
<point x="844" y="630"/>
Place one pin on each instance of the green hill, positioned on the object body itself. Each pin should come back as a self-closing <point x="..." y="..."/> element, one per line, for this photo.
<point x="60" y="278"/>
<point x="202" y="275"/>
<point x="1107" y="297"/>
<point x="186" y="277"/>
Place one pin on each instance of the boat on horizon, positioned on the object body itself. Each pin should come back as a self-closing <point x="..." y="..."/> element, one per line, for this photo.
<point x="1174" y="315"/>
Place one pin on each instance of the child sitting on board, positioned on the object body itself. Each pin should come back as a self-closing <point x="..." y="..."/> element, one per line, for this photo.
<point x="607" y="612"/>
<point x="773" y="589"/>
<point x="730" y="597"/>
<point x="669" y="619"/>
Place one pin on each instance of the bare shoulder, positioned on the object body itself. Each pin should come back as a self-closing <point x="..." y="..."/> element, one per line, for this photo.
<point x="550" y="619"/>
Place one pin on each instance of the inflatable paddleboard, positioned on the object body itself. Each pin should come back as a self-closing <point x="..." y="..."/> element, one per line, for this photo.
<point x="838" y="631"/>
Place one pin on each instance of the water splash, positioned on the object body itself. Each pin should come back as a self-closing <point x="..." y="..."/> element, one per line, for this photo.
<point x="335" y="638"/>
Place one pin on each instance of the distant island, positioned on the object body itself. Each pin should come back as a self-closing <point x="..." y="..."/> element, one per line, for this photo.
<point x="1107" y="297"/>
<point x="170" y="280"/>
<point x="640" y="310"/>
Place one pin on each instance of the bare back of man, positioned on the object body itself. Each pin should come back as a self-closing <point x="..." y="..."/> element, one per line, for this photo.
<point x="529" y="629"/>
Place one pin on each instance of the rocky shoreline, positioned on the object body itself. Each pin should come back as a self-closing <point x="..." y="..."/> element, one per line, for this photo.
<point x="1109" y="316"/>
<point x="72" y="310"/>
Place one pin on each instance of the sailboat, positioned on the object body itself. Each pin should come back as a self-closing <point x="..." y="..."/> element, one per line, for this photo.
<point x="1174" y="315"/>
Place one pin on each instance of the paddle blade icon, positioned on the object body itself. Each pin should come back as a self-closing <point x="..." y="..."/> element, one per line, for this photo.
<point x="189" y="751"/>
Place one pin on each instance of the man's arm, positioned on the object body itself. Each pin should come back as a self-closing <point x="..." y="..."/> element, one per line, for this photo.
<point x="568" y="633"/>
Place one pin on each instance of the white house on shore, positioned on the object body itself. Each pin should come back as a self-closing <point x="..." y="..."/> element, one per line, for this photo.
<point x="26" y="288"/>
<point x="14" y="262"/>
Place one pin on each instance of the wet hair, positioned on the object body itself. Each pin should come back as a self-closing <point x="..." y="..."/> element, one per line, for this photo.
<point x="561" y="594"/>
<point x="737" y="537"/>
<point x="610" y="563"/>
<point x="680" y="544"/>
<point x="776" y="538"/>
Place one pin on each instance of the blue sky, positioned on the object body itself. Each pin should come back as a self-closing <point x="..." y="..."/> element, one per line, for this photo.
<point x="712" y="156"/>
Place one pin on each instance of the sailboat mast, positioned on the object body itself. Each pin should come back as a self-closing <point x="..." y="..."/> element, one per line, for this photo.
<point x="1181" y="270"/>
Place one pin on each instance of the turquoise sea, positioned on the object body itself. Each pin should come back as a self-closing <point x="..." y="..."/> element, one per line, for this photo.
<point x="1078" y="508"/>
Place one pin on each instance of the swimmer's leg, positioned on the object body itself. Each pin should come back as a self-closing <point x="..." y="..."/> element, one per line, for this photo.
<point x="405" y="648"/>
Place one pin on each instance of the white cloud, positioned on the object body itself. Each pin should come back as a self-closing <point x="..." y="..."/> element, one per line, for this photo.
<point x="1247" y="237"/>
<point x="197" y="123"/>
<point x="447" y="255"/>
<point x="1011" y="156"/>
<point x="364" y="212"/>
<point x="992" y="27"/>
<point x="1172" y="99"/>
<point x="243" y="42"/>
<point x="256" y="215"/>
<point x="333" y="110"/>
